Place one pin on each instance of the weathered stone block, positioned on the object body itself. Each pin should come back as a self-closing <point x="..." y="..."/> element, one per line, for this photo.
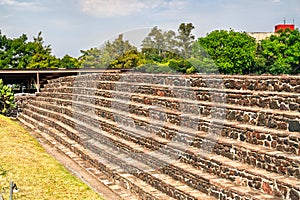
<point x="294" y="195"/>
<point x="294" y="126"/>
<point x="297" y="89"/>
<point x="274" y="105"/>
<point x="293" y="106"/>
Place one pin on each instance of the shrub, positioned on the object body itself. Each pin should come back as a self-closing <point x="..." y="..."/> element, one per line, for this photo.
<point x="7" y="99"/>
<point x="182" y="66"/>
<point x="154" y="68"/>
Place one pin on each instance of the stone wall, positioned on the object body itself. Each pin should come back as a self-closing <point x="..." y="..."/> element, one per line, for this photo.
<point x="185" y="136"/>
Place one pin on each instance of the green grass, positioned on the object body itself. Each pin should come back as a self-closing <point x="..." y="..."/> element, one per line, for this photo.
<point x="37" y="174"/>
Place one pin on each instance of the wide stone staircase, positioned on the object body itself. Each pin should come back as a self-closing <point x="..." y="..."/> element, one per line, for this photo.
<point x="154" y="136"/>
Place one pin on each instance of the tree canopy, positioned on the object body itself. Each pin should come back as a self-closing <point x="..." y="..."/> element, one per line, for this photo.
<point x="19" y="53"/>
<point x="103" y="57"/>
<point x="281" y="53"/>
<point x="233" y="52"/>
<point x="220" y="51"/>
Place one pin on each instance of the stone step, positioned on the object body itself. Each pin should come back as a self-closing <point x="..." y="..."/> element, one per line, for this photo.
<point x="257" y="83"/>
<point x="176" y="99"/>
<point x="120" y="163"/>
<point x="262" y="117"/>
<point x="178" y="133"/>
<point x="276" y="119"/>
<point x="270" y="138"/>
<point x="233" y="97"/>
<point x="261" y="99"/>
<point x="179" y="167"/>
<point x="113" y="171"/>
<point x="194" y="157"/>
<point x="92" y="170"/>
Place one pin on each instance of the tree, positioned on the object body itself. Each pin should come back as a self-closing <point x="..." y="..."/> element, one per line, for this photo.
<point x="233" y="52"/>
<point x="102" y="58"/>
<point x="182" y="66"/>
<point x="13" y="52"/>
<point x="19" y="54"/>
<point x="153" y="45"/>
<point x="69" y="62"/>
<point x="201" y="60"/>
<point x="128" y="60"/>
<point x="171" y="42"/>
<point x="159" y="45"/>
<point x="281" y="53"/>
<point x="41" y="57"/>
<point x="92" y="58"/>
<point x="185" y="39"/>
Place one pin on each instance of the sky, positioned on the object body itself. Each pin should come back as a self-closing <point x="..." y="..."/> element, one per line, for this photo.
<point x="73" y="25"/>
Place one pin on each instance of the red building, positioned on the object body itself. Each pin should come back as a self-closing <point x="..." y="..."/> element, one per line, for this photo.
<point x="284" y="26"/>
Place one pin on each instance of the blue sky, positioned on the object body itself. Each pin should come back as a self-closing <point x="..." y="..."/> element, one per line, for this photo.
<point x="73" y="25"/>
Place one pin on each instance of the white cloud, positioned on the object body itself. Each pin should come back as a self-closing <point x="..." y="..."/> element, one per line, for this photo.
<point x="111" y="8"/>
<point x="15" y="3"/>
<point x="21" y="5"/>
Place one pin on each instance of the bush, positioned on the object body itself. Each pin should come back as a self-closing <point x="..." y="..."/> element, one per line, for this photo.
<point x="154" y="68"/>
<point x="7" y="99"/>
<point x="206" y="65"/>
<point x="182" y="66"/>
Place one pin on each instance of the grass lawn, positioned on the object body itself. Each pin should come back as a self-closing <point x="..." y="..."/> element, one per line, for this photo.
<point x="37" y="174"/>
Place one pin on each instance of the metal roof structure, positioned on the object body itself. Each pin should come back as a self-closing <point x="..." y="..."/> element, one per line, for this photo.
<point x="40" y="76"/>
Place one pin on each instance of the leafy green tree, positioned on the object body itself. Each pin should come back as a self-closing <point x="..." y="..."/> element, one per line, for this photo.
<point x="171" y="43"/>
<point x="185" y="39"/>
<point x="19" y="54"/>
<point x="118" y="47"/>
<point x="13" y="52"/>
<point x="280" y="54"/>
<point x="233" y="52"/>
<point x="153" y="45"/>
<point x="92" y="58"/>
<point x="201" y="60"/>
<point x="41" y="57"/>
<point x="102" y="58"/>
<point x="130" y="59"/>
<point x="69" y="62"/>
<point x="6" y="98"/>
<point x="159" y="45"/>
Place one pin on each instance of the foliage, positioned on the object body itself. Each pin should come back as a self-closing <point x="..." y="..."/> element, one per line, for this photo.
<point x="233" y="52"/>
<point x="14" y="53"/>
<point x="129" y="59"/>
<point x="69" y="62"/>
<point x="182" y="66"/>
<point x="41" y="57"/>
<point x="102" y="58"/>
<point x="159" y="45"/>
<point x="154" y="68"/>
<point x="18" y="53"/>
<point x="164" y="51"/>
<point x="91" y="58"/>
<point x="280" y="53"/>
<point x="7" y="100"/>
<point x="221" y="51"/>
<point x="185" y="39"/>
<point x="227" y="52"/>
<point x="204" y="65"/>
